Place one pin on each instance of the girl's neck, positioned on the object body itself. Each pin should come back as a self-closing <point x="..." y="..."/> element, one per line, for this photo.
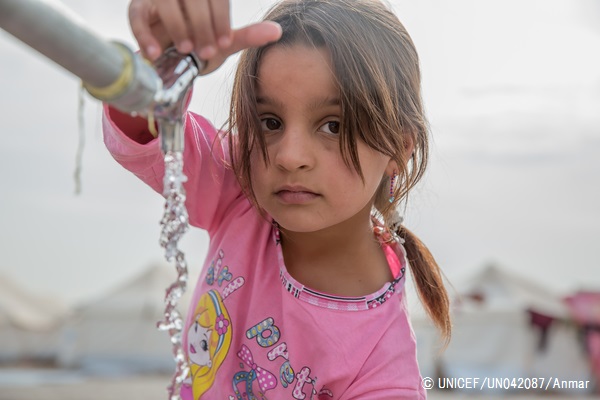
<point x="345" y="259"/>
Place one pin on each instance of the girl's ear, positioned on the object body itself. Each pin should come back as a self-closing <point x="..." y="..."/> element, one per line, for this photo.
<point x="391" y="168"/>
<point x="409" y="147"/>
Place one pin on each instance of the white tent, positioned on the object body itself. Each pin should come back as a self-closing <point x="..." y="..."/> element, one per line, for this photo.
<point x="118" y="331"/>
<point x="494" y="287"/>
<point x="29" y="323"/>
<point x="493" y="335"/>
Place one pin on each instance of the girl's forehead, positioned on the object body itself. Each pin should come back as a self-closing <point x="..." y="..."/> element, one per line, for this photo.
<point x="282" y="67"/>
<point x="300" y="52"/>
<point x="299" y="74"/>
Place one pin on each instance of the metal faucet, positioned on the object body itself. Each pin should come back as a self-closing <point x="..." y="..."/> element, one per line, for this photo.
<point x="177" y="72"/>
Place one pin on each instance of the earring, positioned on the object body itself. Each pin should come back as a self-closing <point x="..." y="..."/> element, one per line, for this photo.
<point x="392" y="182"/>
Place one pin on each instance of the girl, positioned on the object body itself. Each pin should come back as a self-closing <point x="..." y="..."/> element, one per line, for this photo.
<point x="308" y="258"/>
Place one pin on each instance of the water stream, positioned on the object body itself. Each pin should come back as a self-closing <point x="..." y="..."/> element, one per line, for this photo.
<point x="177" y="72"/>
<point x="174" y="224"/>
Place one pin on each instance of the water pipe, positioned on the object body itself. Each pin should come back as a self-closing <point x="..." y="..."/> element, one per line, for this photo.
<point x="110" y="71"/>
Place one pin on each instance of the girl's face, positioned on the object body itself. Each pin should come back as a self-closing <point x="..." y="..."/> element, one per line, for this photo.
<point x="307" y="186"/>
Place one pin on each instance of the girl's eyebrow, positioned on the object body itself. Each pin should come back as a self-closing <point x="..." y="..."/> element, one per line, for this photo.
<point x="269" y="101"/>
<point x="324" y="102"/>
<point x="313" y="105"/>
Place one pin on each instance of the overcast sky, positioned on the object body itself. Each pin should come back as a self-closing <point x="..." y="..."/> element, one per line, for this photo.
<point x="512" y="91"/>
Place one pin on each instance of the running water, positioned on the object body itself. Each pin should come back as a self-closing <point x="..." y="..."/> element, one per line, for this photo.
<point x="174" y="224"/>
<point x="177" y="72"/>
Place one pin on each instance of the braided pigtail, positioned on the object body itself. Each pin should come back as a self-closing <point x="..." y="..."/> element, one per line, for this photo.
<point x="428" y="278"/>
<point x="427" y="275"/>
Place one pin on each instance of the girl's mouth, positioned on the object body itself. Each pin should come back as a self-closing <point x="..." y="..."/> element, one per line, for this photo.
<point x="295" y="197"/>
<point x="295" y="194"/>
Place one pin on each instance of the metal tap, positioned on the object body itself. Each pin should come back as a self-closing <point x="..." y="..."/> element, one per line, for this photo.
<point x="177" y="72"/>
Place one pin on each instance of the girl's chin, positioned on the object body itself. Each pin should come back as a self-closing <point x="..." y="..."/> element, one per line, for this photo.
<point x="303" y="226"/>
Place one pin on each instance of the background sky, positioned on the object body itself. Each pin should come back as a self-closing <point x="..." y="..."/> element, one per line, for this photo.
<point x="512" y="91"/>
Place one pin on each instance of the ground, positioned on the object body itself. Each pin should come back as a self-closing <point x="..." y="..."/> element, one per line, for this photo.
<point x="153" y="387"/>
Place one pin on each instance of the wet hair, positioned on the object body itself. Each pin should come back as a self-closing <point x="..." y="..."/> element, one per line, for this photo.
<point x="377" y="69"/>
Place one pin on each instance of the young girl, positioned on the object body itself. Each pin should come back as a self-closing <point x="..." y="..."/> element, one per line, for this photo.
<point x="302" y="292"/>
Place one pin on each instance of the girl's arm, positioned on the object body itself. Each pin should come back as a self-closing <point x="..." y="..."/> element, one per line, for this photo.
<point x="211" y="186"/>
<point x="136" y="128"/>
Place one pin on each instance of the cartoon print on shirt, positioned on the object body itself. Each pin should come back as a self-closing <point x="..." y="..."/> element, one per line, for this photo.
<point x="210" y="331"/>
<point x="265" y="332"/>
<point x="209" y="339"/>
<point x="265" y="379"/>
<point x="254" y="384"/>
<point x="198" y="340"/>
<point x="266" y="335"/>
<point x="286" y="372"/>
<point x="303" y="378"/>
<point x="224" y="275"/>
<point x="216" y="272"/>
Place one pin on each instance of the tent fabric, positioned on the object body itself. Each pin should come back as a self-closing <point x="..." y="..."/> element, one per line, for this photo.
<point x="489" y="343"/>
<point x="505" y="326"/>
<point x="585" y="308"/>
<point x="118" y="330"/>
<point x="28" y="311"/>
<point x="503" y="289"/>
<point x="29" y="323"/>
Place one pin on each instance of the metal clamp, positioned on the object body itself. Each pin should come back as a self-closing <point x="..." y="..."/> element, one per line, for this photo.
<point x="177" y="72"/>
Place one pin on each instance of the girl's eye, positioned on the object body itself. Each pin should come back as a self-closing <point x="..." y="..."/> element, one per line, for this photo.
<point x="204" y="345"/>
<point x="331" y="127"/>
<point x="270" y="124"/>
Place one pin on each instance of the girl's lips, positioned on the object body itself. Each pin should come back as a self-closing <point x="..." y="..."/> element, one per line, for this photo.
<point x="192" y="349"/>
<point x="295" y="197"/>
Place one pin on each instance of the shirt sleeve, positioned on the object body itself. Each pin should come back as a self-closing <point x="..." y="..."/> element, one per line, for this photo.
<point x="391" y="371"/>
<point x="211" y="186"/>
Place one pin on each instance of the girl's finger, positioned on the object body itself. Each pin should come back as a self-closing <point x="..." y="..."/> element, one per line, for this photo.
<point x="255" y="35"/>
<point x="140" y="13"/>
<point x="221" y="22"/>
<point x="175" y="24"/>
<point x="198" y="14"/>
<point x="159" y="32"/>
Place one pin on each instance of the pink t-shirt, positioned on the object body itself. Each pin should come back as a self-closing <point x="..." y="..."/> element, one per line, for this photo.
<point x="253" y="331"/>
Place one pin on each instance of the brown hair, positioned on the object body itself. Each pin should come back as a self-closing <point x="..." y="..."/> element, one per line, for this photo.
<point x="377" y="69"/>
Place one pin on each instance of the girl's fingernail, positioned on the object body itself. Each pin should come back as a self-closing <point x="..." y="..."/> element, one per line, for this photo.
<point x="186" y="46"/>
<point x="207" y="52"/>
<point x="152" y="52"/>
<point x="224" y="42"/>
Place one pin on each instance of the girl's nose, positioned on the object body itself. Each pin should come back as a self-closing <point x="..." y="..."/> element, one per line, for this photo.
<point x="294" y="150"/>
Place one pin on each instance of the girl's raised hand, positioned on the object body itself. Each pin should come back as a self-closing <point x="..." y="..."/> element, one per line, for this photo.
<point x="202" y="26"/>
